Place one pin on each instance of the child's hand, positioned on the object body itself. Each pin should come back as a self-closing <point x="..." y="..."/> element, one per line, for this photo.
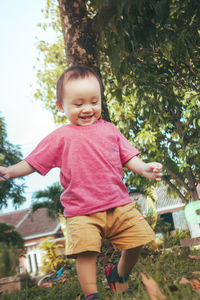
<point x="153" y="171"/>
<point x="150" y="170"/>
<point x="3" y="171"/>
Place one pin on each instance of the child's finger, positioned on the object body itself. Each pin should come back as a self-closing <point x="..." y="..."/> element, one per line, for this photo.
<point x="158" y="179"/>
<point x="158" y="168"/>
<point x="3" y="173"/>
<point x="158" y="172"/>
<point x="2" y="178"/>
<point x="158" y="176"/>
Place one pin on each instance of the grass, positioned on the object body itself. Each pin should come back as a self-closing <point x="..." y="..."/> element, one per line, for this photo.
<point x="167" y="268"/>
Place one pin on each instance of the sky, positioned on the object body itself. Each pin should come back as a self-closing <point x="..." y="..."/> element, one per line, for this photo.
<point x="27" y="121"/>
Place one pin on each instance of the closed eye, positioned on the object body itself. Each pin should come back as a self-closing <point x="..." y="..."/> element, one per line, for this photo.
<point x="78" y="104"/>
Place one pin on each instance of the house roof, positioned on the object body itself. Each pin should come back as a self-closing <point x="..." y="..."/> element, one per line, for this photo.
<point x="31" y="225"/>
<point x="14" y="218"/>
<point x="164" y="202"/>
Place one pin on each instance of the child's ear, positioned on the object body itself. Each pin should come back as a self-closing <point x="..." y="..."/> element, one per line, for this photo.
<point x="59" y="106"/>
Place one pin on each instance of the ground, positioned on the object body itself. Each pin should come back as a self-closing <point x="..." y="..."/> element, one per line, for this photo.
<point x="165" y="274"/>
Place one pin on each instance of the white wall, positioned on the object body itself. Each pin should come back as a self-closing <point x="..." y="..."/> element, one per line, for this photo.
<point x="179" y="220"/>
<point x="33" y="254"/>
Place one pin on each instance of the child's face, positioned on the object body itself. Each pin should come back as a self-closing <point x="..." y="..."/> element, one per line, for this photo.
<point x="81" y="101"/>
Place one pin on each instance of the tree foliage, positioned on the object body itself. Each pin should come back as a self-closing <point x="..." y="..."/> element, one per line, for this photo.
<point x="50" y="199"/>
<point x="9" y="260"/>
<point x="10" y="236"/>
<point x="155" y="95"/>
<point x="52" y="60"/>
<point x="53" y="258"/>
<point x="10" y="243"/>
<point x="9" y="155"/>
<point x="148" y="53"/>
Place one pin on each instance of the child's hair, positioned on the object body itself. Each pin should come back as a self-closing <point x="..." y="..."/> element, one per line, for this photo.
<point x="75" y="72"/>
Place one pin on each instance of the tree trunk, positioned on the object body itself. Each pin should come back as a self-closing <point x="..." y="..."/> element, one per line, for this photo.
<point x="80" y="38"/>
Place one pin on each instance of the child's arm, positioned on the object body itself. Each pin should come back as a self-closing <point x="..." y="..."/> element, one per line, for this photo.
<point x="18" y="170"/>
<point x="150" y="170"/>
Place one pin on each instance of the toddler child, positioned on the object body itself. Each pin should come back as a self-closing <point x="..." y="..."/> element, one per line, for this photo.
<point x="91" y="153"/>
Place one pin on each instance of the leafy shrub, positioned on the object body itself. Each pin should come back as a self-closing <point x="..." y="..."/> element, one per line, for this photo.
<point x="171" y="240"/>
<point x="9" y="260"/>
<point x="53" y="258"/>
<point x="27" y="281"/>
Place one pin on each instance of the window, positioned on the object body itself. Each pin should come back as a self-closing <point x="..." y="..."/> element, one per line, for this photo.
<point x="30" y="264"/>
<point x="169" y="219"/>
<point x="36" y="262"/>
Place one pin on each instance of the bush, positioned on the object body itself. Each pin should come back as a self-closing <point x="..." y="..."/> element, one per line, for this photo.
<point x="9" y="260"/>
<point x="27" y="281"/>
<point x="171" y="240"/>
<point x="53" y="258"/>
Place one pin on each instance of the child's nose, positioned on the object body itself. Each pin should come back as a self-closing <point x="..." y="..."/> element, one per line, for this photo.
<point x="87" y="108"/>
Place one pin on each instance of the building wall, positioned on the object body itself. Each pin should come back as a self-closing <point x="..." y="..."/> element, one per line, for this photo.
<point x="179" y="220"/>
<point x="33" y="259"/>
<point x="32" y="262"/>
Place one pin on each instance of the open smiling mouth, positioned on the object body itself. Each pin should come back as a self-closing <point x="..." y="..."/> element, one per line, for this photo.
<point x="86" y="117"/>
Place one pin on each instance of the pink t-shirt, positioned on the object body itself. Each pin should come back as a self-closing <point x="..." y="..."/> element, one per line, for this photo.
<point x="90" y="159"/>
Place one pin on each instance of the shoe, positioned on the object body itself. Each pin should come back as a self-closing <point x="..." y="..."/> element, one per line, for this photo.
<point x="92" y="296"/>
<point x="112" y="276"/>
<point x="111" y="283"/>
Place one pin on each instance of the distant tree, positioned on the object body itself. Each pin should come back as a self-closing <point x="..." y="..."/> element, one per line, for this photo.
<point x="148" y="53"/>
<point x="9" y="155"/>
<point x="9" y="260"/>
<point x="50" y="199"/>
<point x="10" y="236"/>
<point x="11" y="246"/>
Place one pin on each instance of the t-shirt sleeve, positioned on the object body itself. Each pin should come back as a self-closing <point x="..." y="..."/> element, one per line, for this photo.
<point x="45" y="156"/>
<point x="127" y="150"/>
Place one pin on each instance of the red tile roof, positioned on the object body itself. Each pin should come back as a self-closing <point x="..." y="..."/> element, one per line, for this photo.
<point x="13" y="218"/>
<point x="30" y="224"/>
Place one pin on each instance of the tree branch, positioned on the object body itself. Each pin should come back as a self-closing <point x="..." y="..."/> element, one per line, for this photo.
<point x="177" y="178"/>
<point x="164" y="139"/>
<point x="177" y="123"/>
<point x="166" y="179"/>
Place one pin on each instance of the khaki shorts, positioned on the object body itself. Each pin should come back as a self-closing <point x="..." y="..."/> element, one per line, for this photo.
<point x="123" y="226"/>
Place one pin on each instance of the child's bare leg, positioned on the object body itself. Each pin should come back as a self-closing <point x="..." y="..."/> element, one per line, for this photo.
<point x="126" y="263"/>
<point x="86" y="270"/>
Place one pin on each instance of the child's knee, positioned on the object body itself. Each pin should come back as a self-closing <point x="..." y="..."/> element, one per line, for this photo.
<point x="87" y="255"/>
<point x="133" y="251"/>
